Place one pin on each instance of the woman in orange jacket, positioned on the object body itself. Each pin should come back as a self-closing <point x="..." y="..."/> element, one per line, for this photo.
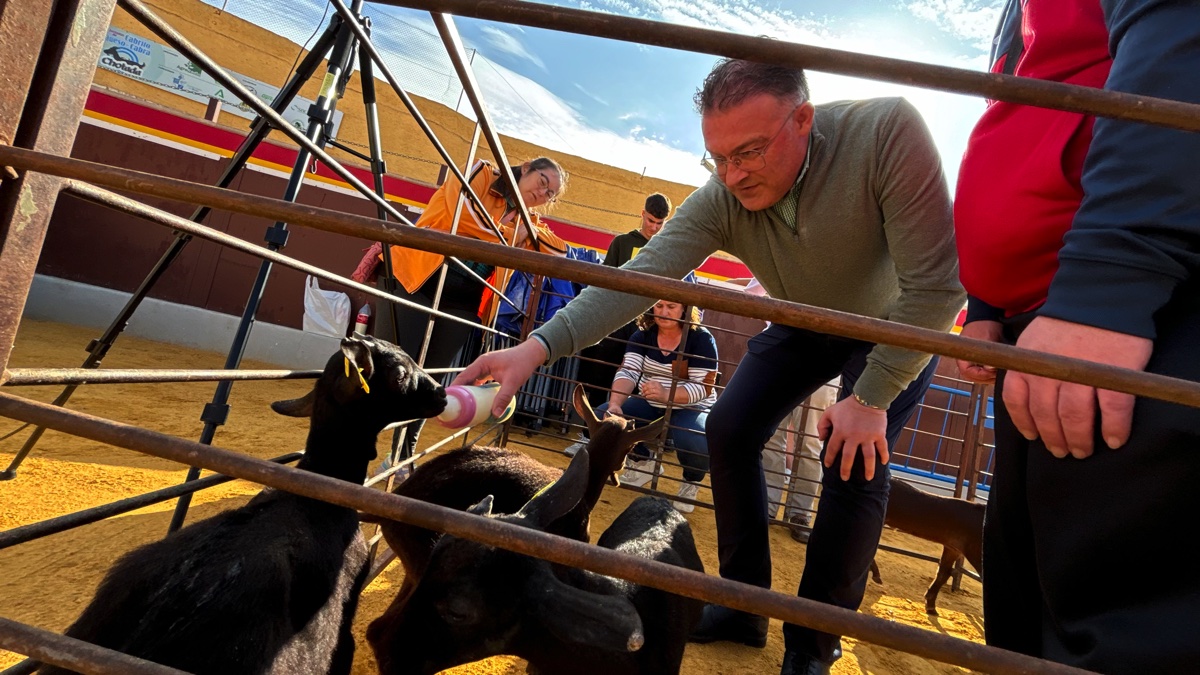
<point x="541" y="181"/>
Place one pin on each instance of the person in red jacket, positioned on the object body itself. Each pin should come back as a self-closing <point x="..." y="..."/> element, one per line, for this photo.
<point x="1081" y="237"/>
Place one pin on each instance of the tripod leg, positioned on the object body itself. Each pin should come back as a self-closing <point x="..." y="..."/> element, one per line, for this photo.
<point x="378" y="164"/>
<point x="320" y="115"/>
<point x="97" y="349"/>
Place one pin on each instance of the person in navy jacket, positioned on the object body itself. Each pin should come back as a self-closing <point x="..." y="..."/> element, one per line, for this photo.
<point x="1080" y="236"/>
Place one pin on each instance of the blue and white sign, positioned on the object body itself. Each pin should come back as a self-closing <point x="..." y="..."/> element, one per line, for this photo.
<point x="160" y="66"/>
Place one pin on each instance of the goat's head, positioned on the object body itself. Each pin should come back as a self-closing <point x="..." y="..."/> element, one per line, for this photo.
<point x="476" y="600"/>
<point x="612" y="437"/>
<point x="373" y="382"/>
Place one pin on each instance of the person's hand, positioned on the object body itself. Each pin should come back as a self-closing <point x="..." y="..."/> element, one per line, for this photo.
<point x="1063" y="414"/>
<point x="510" y="367"/>
<point x="989" y="331"/>
<point x="614" y="410"/>
<point x="654" y="391"/>
<point x="850" y="426"/>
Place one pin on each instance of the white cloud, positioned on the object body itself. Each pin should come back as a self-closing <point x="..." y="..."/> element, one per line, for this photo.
<point x="950" y="117"/>
<point x="507" y="44"/>
<point x="970" y="20"/>
<point x="522" y="108"/>
<point x="590" y="95"/>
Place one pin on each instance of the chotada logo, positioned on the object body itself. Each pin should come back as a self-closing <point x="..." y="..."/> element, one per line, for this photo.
<point x="123" y="59"/>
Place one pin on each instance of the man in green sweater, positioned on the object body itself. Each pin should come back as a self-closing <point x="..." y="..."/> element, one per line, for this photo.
<point x="842" y="206"/>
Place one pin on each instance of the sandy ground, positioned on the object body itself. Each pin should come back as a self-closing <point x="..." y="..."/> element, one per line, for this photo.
<point x="47" y="582"/>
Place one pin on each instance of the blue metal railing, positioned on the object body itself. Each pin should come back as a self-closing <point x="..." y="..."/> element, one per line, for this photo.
<point x="943" y="460"/>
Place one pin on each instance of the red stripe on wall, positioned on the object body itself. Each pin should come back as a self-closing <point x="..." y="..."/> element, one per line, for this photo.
<point x="228" y="141"/>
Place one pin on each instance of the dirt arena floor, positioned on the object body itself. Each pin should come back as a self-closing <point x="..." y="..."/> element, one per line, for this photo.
<point x="47" y="582"/>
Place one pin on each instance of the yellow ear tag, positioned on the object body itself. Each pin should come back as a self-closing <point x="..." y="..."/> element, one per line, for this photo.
<point x="362" y="380"/>
<point x="545" y="487"/>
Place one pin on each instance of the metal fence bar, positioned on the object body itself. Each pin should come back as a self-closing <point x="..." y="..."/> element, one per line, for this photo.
<point x="24" y="533"/>
<point x="176" y="40"/>
<point x="1012" y="89"/>
<point x="52" y="105"/>
<point x="529" y="542"/>
<point x="808" y="317"/>
<point x="365" y="44"/>
<point x="23" y="27"/>
<point x="124" y="204"/>
<point x="29" y="377"/>
<point x="458" y="58"/>
<point x="72" y="654"/>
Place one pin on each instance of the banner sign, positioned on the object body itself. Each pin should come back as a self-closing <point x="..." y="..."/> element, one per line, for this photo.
<point x="160" y="66"/>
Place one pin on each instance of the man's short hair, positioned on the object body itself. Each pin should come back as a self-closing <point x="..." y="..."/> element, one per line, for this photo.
<point x="658" y="205"/>
<point x="733" y="81"/>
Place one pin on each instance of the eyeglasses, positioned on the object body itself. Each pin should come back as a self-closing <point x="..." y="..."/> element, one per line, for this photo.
<point x="748" y="160"/>
<point x="544" y="186"/>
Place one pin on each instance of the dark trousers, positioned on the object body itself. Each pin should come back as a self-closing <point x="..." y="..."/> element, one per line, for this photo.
<point x="782" y="367"/>
<point x="1089" y="562"/>
<point x="460" y="297"/>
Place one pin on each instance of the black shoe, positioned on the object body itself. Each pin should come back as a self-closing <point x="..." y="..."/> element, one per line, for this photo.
<point x="722" y="623"/>
<point x="800" y="527"/>
<point x="797" y="663"/>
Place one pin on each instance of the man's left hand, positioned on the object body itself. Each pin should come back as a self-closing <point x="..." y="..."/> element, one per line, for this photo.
<point x="1063" y="414"/>
<point x="850" y="426"/>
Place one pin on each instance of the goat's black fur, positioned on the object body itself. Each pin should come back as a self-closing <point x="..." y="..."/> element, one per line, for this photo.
<point x="476" y="600"/>
<point x="270" y="587"/>
<point x="461" y="478"/>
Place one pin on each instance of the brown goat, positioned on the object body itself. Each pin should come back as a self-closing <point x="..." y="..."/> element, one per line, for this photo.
<point x="462" y="478"/>
<point x="956" y="524"/>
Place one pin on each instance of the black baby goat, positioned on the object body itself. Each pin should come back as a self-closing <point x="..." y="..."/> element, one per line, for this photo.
<point x="476" y="600"/>
<point x="270" y="587"/>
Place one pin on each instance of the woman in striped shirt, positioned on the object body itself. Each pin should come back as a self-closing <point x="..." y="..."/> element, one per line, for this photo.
<point x="674" y="358"/>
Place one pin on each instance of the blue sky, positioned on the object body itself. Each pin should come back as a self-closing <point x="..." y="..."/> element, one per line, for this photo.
<point x="630" y="105"/>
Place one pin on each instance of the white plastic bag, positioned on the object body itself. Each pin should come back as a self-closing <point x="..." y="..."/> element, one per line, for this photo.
<point x="325" y="312"/>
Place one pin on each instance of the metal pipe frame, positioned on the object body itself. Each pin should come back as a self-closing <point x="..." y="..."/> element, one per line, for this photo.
<point x="1010" y="88"/>
<point x="454" y="48"/>
<point x="368" y="47"/>
<point x="134" y="207"/>
<point x="176" y="39"/>
<point x="807" y="317"/>
<point x="29" y="377"/>
<point x="43" y="115"/>
<point x="74" y="655"/>
<point x="55" y="68"/>
<point x="97" y="349"/>
<point x="24" y="533"/>
<point x="529" y="542"/>
<point x="821" y="617"/>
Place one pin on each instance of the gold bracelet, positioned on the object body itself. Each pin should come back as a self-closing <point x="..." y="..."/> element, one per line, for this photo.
<point x="865" y="404"/>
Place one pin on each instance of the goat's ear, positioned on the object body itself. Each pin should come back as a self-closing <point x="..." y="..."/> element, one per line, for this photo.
<point x="558" y="498"/>
<point x="578" y="617"/>
<point x="644" y="434"/>
<point x="584" y="409"/>
<point x="483" y="508"/>
<point x="358" y="352"/>
<point x="296" y="407"/>
<point x="614" y="479"/>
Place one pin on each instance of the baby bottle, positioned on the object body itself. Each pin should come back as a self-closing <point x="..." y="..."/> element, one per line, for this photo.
<point x="468" y="406"/>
